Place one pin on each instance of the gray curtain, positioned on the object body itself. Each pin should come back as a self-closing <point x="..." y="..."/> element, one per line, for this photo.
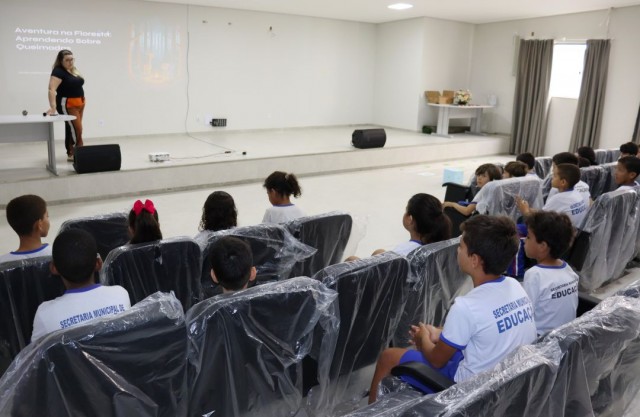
<point x="588" y="120"/>
<point x="636" y="129"/>
<point x="530" y="102"/>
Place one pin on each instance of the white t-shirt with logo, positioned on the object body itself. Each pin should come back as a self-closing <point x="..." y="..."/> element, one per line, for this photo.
<point x="488" y="323"/>
<point x="581" y="187"/>
<point x="44" y="250"/>
<point x="571" y="203"/>
<point x="79" y="306"/>
<point x="282" y="214"/>
<point x="405" y="248"/>
<point x="553" y="291"/>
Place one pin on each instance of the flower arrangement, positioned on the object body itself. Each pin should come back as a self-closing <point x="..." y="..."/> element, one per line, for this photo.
<point x="462" y="97"/>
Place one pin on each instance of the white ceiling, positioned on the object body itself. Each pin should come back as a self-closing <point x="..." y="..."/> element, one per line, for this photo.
<point x="376" y="11"/>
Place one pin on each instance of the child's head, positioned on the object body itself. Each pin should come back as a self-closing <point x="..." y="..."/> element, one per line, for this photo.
<point x="487" y="242"/>
<point x="281" y="185"/>
<point x="144" y="225"/>
<point x="565" y="176"/>
<point x="424" y="215"/>
<point x="486" y="173"/>
<point x="231" y="263"/>
<point x="628" y="149"/>
<point x="75" y="256"/>
<point x="28" y="215"/>
<point x="588" y="153"/>
<point x="515" y="169"/>
<point x="219" y="212"/>
<point x="564" y="158"/>
<point x="549" y="234"/>
<point x="528" y="159"/>
<point x="627" y="170"/>
<point x="583" y="162"/>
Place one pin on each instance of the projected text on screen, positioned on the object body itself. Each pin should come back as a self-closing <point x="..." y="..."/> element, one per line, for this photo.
<point x="40" y="39"/>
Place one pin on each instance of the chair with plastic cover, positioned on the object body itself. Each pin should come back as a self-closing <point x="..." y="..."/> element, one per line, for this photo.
<point x="601" y="156"/>
<point x="163" y="265"/>
<point x="435" y="280"/>
<point x="599" y="178"/>
<point x="246" y="348"/>
<point x="24" y="285"/>
<point x="109" y="230"/>
<point x="274" y="249"/>
<point x="611" y="227"/>
<point x="542" y="166"/>
<point x="328" y="233"/>
<point x="612" y="155"/>
<point x="499" y="197"/>
<point x="371" y="296"/>
<point x="132" y="364"/>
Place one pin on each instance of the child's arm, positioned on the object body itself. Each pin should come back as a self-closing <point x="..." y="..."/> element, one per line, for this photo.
<point x="467" y="211"/>
<point x="523" y="205"/>
<point x="438" y="353"/>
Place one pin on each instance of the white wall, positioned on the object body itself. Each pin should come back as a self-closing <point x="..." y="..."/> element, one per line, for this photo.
<point x="559" y="124"/>
<point x="303" y="72"/>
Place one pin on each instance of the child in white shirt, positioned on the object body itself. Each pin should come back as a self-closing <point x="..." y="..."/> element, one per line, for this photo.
<point x="28" y="217"/>
<point x="280" y="187"/>
<point x="626" y="174"/>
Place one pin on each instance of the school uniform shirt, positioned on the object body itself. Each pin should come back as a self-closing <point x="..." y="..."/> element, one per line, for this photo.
<point x="480" y="200"/>
<point x="44" y="250"/>
<point x="488" y="323"/>
<point x="553" y="291"/>
<point x="629" y="187"/>
<point x="79" y="306"/>
<point x="532" y="174"/>
<point x="570" y="202"/>
<point x="581" y="187"/>
<point x="282" y="213"/>
<point x="405" y="248"/>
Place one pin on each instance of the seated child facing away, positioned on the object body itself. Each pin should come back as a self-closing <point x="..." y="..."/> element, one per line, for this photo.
<point x="626" y="174"/>
<point x="218" y="213"/>
<point x="28" y="217"/>
<point x="551" y="285"/>
<point x="280" y="187"/>
<point x="484" y="325"/>
<point x="514" y="169"/>
<point x="567" y="200"/>
<point x="231" y="264"/>
<point x="75" y="259"/>
<point x="530" y="161"/>
<point x="144" y="225"/>
<point x="484" y="174"/>
<point x="587" y="153"/>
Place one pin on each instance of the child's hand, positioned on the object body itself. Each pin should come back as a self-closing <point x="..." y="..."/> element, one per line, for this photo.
<point x="419" y="334"/>
<point x="434" y="333"/>
<point x="523" y="206"/>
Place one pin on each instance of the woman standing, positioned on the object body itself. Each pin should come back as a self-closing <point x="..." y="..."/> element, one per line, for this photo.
<point x="66" y="96"/>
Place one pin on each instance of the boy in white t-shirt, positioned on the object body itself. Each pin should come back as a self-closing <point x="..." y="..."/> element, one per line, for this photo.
<point x="28" y="217"/>
<point x="581" y="186"/>
<point x="626" y="173"/>
<point x="552" y="286"/>
<point x="487" y="323"/>
<point x="75" y="259"/>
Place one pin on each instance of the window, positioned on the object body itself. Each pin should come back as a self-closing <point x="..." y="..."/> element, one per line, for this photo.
<point x="566" y="69"/>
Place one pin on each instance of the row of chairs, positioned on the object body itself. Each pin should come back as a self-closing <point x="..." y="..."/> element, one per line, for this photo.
<point x="588" y="367"/>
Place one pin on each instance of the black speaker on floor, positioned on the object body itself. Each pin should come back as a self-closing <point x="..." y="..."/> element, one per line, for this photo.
<point x="368" y="138"/>
<point x="97" y="158"/>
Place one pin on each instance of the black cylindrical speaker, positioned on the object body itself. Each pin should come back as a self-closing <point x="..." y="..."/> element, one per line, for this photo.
<point x="368" y="138"/>
<point x="97" y="158"/>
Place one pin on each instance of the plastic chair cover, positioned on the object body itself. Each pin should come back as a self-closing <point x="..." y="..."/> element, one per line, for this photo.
<point x="128" y="365"/>
<point x="109" y="230"/>
<point x="274" y="250"/>
<point x="371" y="296"/>
<point x="543" y="166"/>
<point x="328" y="233"/>
<point x="599" y="178"/>
<point x="24" y="285"/>
<point x="246" y="348"/>
<point x="613" y="222"/>
<point x="500" y="195"/>
<point x="435" y="280"/>
<point x="164" y="265"/>
<point x="601" y="156"/>
<point x="612" y="155"/>
<point x="546" y="186"/>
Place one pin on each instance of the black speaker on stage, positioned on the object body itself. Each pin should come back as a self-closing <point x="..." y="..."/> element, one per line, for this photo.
<point x="368" y="138"/>
<point x="97" y="158"/>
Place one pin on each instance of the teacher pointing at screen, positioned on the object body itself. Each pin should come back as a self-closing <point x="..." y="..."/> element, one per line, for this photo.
<point x="66" y="96"/>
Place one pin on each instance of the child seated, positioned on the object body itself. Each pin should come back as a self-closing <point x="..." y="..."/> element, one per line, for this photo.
<point x="484" y="174"/>
<point x="28" y="217"/>
<point x="280" y="187"/>
<point x="530" y="161"/>
<point x="75" y="259"/>
<point x="144" y="225"/>
<point x="626" y="174"/>
<point x="514" y="169"/>
<point x="582" y="187"/>
<point x="218" y="213"/>
<point x="551" y="285"/>
<point x="231" y="264"/>
<point x="567" y="200"/>
<point x="487" y="323"/>
<point x="628" y="149"/>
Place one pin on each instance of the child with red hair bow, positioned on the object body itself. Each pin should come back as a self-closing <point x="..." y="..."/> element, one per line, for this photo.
<point x="143" y="222"/>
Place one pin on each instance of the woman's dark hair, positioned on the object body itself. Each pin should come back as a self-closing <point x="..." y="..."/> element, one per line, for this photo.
<point x="283" y="183"/>
<point x="219" y="212"/>
<point x="430" y="221"/>
<point x="588" y="153"/>
<point x="492" y="171"/>
<point x="145" y="226"/>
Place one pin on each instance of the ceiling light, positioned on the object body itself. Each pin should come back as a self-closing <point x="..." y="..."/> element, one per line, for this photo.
<point x="400" y="6"/>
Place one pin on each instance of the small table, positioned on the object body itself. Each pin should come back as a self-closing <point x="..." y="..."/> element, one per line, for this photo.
<point x="32" y="128"/>
<point x="452" y="111"/>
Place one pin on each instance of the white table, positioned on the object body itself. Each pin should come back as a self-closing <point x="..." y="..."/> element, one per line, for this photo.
<point x="32" y="128"/>
<point x="452" y="111"/>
